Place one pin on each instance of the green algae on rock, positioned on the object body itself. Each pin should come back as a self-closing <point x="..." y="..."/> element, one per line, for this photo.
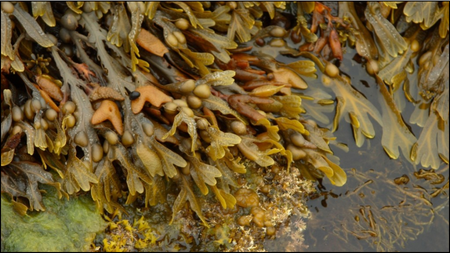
<point x="67" y="225"/>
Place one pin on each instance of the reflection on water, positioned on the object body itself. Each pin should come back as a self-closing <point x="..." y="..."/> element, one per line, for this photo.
<point x="386" y="205"/>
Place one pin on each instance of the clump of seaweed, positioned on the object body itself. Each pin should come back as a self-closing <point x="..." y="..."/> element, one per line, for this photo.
<point x="135" y="112"/>
<point x="175" y="102"/>
<point x="409" y="35"/>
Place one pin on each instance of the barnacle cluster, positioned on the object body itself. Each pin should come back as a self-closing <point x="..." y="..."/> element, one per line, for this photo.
<point x="139" y="101"/>
<point x="266" y="200"/>
<point x="126" y="237"/>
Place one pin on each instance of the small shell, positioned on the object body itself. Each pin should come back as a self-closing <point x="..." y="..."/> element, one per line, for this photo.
<point x="134" y="95"/>
<point x="260" y="42"/>
<point x="296" y="37"/>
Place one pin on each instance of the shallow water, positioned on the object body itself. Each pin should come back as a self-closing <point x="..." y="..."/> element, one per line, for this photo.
<point x="336" y="207"/>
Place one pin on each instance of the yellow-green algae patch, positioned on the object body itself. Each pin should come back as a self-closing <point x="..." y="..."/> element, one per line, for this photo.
<point x="64" y="226"/>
